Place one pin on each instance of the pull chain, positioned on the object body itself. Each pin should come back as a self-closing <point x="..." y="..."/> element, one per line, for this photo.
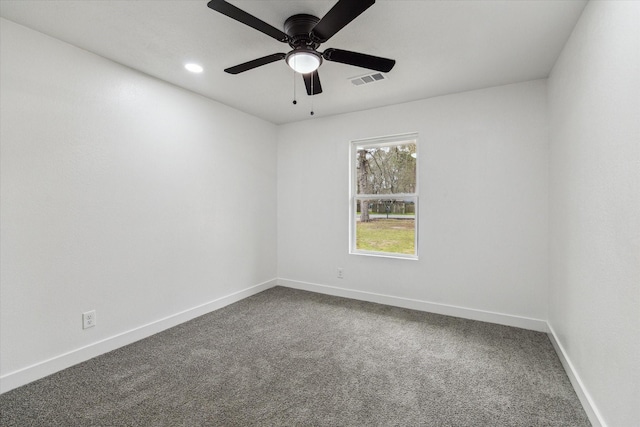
<point x="312" y="93"/>
<point x="294" y="88"/>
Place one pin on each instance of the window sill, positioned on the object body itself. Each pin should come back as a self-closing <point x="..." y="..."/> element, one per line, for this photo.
<point x="385" y="255"/>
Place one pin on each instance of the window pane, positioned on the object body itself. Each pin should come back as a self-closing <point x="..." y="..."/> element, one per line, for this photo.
<point x="389" y="169"/>
<point x="386" y="225"/>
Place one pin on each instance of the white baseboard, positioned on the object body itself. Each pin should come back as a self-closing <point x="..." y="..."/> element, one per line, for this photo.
<point x="585" y="398"/>
<point x="414" y="304"/>
<point x="47" y="367"/>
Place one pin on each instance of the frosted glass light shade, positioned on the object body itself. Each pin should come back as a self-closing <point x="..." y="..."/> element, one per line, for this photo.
<point x="303" y="62"/>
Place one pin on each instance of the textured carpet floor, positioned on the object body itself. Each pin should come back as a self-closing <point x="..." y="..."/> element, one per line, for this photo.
<point x="286" y="357"/>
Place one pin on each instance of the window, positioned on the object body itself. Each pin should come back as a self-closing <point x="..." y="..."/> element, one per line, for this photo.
<point x="384" y="197"/>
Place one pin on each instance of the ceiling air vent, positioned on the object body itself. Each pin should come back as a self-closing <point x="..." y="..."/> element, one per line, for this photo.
<point x="368" y="78"/>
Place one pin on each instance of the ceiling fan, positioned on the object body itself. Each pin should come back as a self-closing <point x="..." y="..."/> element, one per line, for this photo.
<point x="304" y="33"/>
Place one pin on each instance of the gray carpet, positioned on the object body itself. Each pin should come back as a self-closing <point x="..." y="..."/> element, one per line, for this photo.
<point x="286" y="357"/>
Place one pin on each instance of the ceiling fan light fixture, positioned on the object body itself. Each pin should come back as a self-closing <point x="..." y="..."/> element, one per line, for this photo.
<point x="304" y="61"/>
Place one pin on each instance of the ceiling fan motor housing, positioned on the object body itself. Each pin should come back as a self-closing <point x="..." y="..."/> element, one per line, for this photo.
<point x="298" y="28"/>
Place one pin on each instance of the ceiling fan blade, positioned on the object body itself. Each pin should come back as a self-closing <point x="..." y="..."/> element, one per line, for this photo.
<point x="241" y="16"/>
<point x="246" y="66"/>
<point x="308" y="78"/>
<point x="340" y="15"/>
<point x="359" y="59"/>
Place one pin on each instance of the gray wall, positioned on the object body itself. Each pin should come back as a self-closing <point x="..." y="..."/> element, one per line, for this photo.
<point x="482" y="171"/>
<point x="594" y="299"/>
<point x="115" y="192"/>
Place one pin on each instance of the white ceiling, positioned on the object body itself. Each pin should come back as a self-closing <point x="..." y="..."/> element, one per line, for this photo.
<point x="441" y="47"/>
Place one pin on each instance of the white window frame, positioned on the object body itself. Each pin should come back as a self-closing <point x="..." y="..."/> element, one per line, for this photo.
<point x="388" y="141"/>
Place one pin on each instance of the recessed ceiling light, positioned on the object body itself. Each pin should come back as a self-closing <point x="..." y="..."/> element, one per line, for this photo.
<point x="194" y="68"/>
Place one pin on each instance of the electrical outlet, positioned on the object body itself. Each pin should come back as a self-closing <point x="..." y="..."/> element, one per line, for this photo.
<point x="89" y="319"/>
<point x="340" y="273"/>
